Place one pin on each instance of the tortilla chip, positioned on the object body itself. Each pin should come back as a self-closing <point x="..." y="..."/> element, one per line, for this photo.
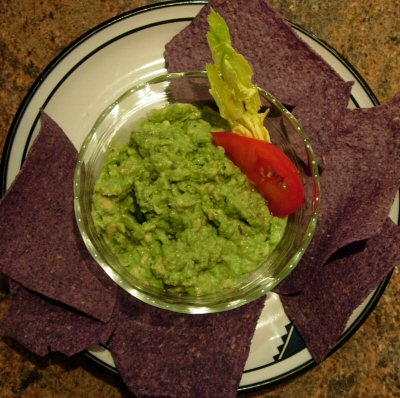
<point x="358" y="183"/>
<point x="321" y="310"/>
<point x="42" y="325"/>
<point x="283" y="64"/>
<point x="319" y="113"/>
<point x="40" y="244"/>
<point x="164" y="354"/>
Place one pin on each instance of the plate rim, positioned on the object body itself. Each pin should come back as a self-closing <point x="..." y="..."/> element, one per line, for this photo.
<point x="12" y="131"/>
<point x="58" y="59"/>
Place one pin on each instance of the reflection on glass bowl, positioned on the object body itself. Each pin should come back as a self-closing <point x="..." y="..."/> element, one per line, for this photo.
<point x="115" y="126"/>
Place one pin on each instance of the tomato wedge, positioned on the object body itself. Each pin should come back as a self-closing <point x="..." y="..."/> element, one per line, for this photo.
<point x="268" y="167"/>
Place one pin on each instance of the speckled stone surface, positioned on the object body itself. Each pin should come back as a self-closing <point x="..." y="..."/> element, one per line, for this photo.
<point x="366" y="33"/>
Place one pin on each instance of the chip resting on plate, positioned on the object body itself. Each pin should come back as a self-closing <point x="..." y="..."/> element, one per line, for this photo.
<point x="164" y="354"/>
<point x="40" y="245"/>
<point x="320" y="311"/>
<point x="359" y="181"/>
<point x="319" y="112"/>
<point x="43" y="325"/>
<point x="282" y="63"/>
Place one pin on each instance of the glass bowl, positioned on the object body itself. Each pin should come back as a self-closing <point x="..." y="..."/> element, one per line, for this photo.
<point x="115" y="125"/>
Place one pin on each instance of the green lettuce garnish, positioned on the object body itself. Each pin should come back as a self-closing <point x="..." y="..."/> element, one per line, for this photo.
<point x="230" y="78"/>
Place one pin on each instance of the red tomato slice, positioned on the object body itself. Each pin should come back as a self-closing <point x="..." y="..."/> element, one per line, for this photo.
<point x="268" y="167"/>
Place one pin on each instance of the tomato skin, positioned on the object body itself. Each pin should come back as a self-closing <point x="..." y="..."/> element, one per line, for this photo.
<point x="268" y="168"/>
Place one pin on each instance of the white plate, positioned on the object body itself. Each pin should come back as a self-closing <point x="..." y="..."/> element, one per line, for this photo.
<point x="96" y="69"/>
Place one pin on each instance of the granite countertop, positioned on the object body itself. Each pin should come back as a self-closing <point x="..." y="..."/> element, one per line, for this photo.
<point x="366" y="33"/>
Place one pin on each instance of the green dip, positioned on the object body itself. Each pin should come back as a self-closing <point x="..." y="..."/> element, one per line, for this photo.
<point x="176" y="211"/>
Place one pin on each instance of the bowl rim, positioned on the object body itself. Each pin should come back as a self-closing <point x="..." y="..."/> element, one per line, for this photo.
<point x="185" y="307"/>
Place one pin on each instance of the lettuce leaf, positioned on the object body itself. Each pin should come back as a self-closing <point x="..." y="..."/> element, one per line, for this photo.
<point x="230" y="78"/>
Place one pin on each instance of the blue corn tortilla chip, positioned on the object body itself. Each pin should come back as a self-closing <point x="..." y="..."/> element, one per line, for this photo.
<point x="283" y="64"/>
<point x="320" y="311"/>
<point x="164" y="354"/>
<point x="319" y="113"/>
<point x="40" y="245"/>
<point x="42" y="325"/>
<point x="359" y="181"/>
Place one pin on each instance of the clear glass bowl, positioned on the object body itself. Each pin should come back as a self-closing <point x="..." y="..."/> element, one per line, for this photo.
<point x="115" y="125"/>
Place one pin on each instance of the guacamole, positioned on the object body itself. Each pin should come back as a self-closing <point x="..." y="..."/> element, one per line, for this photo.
<point x="176" y="211"/>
